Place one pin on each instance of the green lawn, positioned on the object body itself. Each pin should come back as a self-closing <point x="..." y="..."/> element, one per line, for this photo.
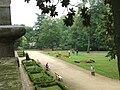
<point x="102" y="65"/>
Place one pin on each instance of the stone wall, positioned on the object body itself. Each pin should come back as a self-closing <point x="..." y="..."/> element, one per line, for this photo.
<point x="5" y="2"/>
<point x="5" y="15"/>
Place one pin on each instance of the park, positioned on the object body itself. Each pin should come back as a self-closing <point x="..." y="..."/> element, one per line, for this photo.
<point x="77" y="51"/>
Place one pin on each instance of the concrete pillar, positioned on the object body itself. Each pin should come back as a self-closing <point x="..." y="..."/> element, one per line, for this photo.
<point x="8" y="33"/>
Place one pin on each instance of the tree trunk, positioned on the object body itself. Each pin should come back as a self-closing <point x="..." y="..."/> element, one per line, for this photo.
<point x="88" y="46"/>
<point x="116" y="14"/>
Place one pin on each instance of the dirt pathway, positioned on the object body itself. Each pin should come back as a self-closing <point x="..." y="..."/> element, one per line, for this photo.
<point x="75" y="77"/>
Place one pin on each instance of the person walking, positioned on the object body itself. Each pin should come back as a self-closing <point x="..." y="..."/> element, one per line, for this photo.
<point x="76" y="52"/>
<point x="92" y="70"/>
<point x="47" y="66"/>
<point x="68" y="52"/>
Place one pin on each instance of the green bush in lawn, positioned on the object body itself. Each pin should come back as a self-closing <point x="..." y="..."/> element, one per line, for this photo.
<point x="34" y="69"/>
<point x="42" y="79"/>
<point x="62" y="86"/>
<point x="49" y="74"/>
<point x="29" y="63"/>
<point x="40" y="86"/>
<point x="21" y="53"/>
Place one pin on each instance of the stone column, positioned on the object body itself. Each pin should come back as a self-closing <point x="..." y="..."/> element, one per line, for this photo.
<point x="8" y="33"/>
<point x="5" y="14"/>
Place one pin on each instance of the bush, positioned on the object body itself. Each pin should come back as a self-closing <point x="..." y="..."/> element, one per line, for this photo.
<point x="42" y="80"/>
<point x="62" y="86"/>
<point x="29" y="63"/>
<point x="47" y="84"/>
<point x="34" y="69"/>
<point x="21" y="53"/>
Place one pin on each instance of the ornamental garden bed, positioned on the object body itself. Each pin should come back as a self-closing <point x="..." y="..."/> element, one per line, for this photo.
<point x="41" y="78"/>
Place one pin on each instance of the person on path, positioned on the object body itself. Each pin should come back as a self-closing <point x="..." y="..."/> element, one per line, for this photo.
<point x="47" y="66"/>
<point x="76" y="52"/>
<point x="92" y="70"/>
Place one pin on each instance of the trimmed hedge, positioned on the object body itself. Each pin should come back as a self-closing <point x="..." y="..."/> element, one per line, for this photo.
<point x="21" y="53"/>
<point x="39" y="76"/>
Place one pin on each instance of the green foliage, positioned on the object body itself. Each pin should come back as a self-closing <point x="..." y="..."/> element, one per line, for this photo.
<point x="86" y="16"/>
<point x="19" y="43"/>
<point x="112" y="54"/>
<point x="62" y="86"/>
<point x="50" y="34"/>
<point x="69" y="19"/>
<point x="65" y="3"/>
<point x="21" y="53"/>
<point x="29" y="63"/>
<point x="51" y="9"/>
<point x="34" y="69"/>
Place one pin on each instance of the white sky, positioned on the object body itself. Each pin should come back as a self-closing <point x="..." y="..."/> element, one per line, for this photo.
<point x="24" y="13"/>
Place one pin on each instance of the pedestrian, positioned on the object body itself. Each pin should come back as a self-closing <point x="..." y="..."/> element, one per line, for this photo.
<point x="47" y="66"/>
<point x="76" y="52"/>
<point x="73" y="52"/>
<point x="68" y="52"/>
<point x="92" y="70"/>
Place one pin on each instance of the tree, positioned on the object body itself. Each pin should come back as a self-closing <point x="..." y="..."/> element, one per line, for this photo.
<point x="50" y="34"/>
<point x="116" y="14"/>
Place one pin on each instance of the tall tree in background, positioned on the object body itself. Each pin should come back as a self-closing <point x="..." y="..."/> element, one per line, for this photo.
<point x="50" y="33"/>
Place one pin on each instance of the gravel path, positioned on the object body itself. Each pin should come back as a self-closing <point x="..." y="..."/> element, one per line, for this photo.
<point x="75" y="77"/>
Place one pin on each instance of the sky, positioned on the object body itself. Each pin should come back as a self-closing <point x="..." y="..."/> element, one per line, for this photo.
<point x="25" y="13"/>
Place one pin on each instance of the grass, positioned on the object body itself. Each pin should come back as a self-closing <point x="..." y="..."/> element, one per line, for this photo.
<point x="102" y="65"/>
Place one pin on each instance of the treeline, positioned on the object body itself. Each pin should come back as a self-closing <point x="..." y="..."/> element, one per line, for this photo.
<point x="51" y="33"/>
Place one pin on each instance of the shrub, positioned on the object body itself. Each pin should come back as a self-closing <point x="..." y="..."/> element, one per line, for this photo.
<point x="29" y="63"/>
<point x="62" y="86"/>
<point x="21" y="53"/>
<point x="34" y="69"/>
<point x="41" y="78"/>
